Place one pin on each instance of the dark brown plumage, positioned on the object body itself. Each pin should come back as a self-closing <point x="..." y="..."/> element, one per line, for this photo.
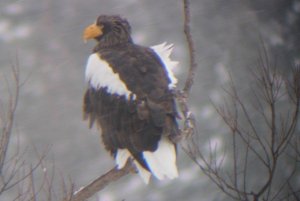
<point x="139" y="121"/>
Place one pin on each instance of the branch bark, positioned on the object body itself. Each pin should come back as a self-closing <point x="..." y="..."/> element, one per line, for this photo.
<point x="183" y="95"/>
<point x="187" y="31"/>
<point x="101" y="182"/>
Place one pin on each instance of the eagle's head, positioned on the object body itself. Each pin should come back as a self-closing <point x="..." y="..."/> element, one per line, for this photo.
<point x="109" y="31"/>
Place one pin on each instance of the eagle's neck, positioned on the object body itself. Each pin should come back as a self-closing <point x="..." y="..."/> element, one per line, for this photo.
<point x="113" y="40"/>
<point x="100" y="47"/>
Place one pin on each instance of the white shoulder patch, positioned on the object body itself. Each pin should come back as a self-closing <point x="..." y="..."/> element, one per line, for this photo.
<point x="99" y="74"/>
<point x="162" y="162"/>
<point x="164" y="51"/>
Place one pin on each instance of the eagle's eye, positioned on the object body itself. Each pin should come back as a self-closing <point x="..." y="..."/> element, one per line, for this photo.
<point x="105" y="27"/>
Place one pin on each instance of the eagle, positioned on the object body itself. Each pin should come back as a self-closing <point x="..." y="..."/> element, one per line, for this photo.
<point x="130" y="97"/>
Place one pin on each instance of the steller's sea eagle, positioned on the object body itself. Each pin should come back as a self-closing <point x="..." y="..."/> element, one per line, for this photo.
<point x="130" y="98"/>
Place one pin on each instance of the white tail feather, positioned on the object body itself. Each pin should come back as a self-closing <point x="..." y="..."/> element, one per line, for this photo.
<point x="121" y="157"/>
<point x="162" y="162"/>
<point x="144" y="174"/>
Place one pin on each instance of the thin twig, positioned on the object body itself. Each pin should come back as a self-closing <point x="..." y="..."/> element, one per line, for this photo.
<point x="9" y="121"/>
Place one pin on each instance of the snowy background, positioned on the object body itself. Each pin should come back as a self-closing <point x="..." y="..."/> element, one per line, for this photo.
<point x="45" y="36"/>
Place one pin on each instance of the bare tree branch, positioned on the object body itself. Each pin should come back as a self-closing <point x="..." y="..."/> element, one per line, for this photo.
<point x="265" y="142"/>
<point x="6" y="128"/>
<point x="101" y="182"/>
<point x="183" y="95"/>
<point x="16" y="173"/>
<point x="193" y="65"/>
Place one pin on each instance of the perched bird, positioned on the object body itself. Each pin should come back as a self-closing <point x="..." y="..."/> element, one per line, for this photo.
<point x="129" y="97"/>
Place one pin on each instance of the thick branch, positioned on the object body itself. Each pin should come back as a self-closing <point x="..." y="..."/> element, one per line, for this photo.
<point x="101" y="182"/>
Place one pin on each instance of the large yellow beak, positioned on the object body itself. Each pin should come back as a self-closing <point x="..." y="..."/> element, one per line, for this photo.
<point x="92" y="31"/>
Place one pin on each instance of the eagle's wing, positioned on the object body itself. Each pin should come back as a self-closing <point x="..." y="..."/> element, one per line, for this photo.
<point x="131" y="99"/>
